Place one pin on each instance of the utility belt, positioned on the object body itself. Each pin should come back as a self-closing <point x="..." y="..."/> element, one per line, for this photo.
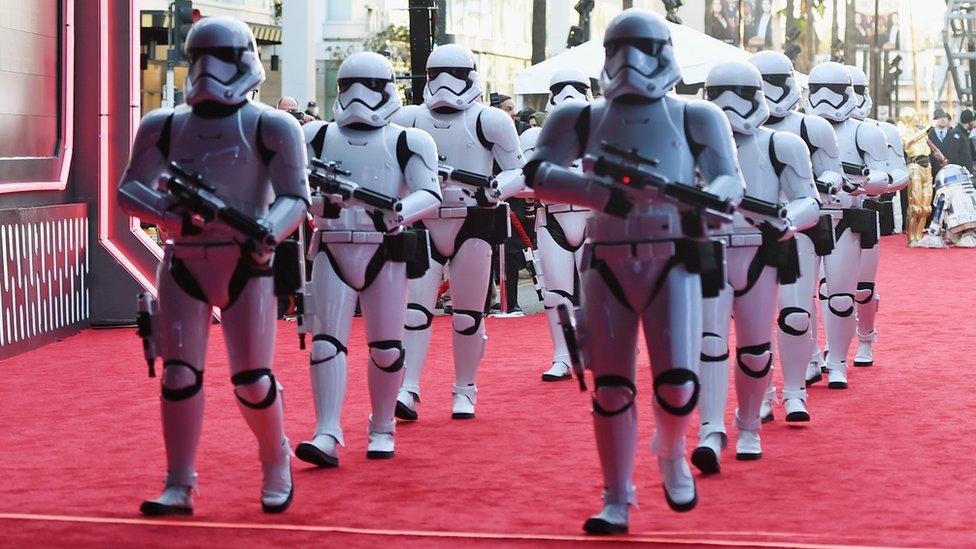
<point x="861" y="221"/>
<point x="921" y="160"/>
<point x="563" y="208"/>
<point x="770" y="252"/>
<point x="822" y="235"/>
<point x="490" y="224"/>
<point x="886" y="214"/>
<point x="704" y="258"/>
<point x="409" y="246"/>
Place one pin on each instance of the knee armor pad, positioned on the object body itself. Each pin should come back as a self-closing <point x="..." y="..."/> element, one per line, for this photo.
<point x="794" y="321"/>
<point x="822" y="289"/>
<point x="671" y="392"/>
<point x="255" y="388"/>
<point x="325" y="348"/>
<point x="613" y="395"/>
<point x="467" y="322"/>
<point x="418" y="317"/>
<point x="180" y="380"/>
<point x="864" y="293"/>
<point x="841" y="305"/>
<point x="714" y="348"/>
<point x="552" y="298"/>
<point x="755" y="360"/>
<point x="387" y="355"/>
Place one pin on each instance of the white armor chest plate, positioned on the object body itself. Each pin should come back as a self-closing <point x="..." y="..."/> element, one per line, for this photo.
<point x="370" y="158"/>
<point x="758" y="172"/>
<point x="790" y="123"/>
<point x="847" y="141"/>
<point x="456" y="135"/>
<point x="657" y="131"/>
<point x="224" y="152"/>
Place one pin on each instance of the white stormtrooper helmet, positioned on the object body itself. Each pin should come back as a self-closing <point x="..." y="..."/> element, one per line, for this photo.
<point x="831" y="92"/>
<point x="779" y="83"/>
<point x="367" y="92"/>
<point x="568" y="85"/>
<point x="224" y="62"/>
<point x="737" y="88"/>
<point x="639" y="56"/>
<point x="452" y="78"/>
<point x="862" y="96"/>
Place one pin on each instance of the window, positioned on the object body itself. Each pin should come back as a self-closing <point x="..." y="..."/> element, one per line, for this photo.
<point x="35" y="95"/>
<point x="338" y="10"/>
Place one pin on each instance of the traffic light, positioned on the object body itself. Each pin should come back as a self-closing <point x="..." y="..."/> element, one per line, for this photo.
<point x="183" y="18"/>
<point x="575" y="36"/>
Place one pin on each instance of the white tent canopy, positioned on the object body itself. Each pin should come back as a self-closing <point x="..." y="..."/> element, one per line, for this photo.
<point x="697" y="53"/>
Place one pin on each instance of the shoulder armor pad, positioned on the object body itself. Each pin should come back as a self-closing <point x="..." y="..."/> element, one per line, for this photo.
<point x="528" y="140"/>
<point x="315" y="138"/>
<point x="791" y="152"/>
<point x="498" y="128"/>
<point x="893" y="137"/>
<point x="154" y="131"/>
<point x="871" y="140"/>
<point x="704" y="121"/>
<point x="820" y="134"/>
<point x="416" y="142"/>
<point x="280" y="133"/>
<point x="406" y="116"/>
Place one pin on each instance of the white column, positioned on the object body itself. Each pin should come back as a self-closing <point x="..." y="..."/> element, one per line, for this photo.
<point x="298" y="36"/>
<point x="557" y="27"/>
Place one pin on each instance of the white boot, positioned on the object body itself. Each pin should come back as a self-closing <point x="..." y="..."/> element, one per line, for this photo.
<point x="175" y="500"/>
<point x="679" y="485"/>
<point x="766" y="408"/>
<point x="321" y="451"/>
<point x="464" y="400"/>
<point x="836" y="375"/>
<point x="748" y="446"/>
<point x="558" y="372"/>
<point x="407" y="404"/>
<point x="814" y="375"/>
<point x="381" y="439"/>
<point x="277" y="488"/>
<point x="794" y="403"/>
<point x="706" y="456"/>
<point x="615" y="516"/>
<point x="865" y="355"/>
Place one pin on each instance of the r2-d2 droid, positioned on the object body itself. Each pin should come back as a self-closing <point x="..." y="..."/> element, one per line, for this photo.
<point x="954" y="213"/>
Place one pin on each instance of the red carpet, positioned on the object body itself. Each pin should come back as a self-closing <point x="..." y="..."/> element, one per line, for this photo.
<point x="888" y="462"/>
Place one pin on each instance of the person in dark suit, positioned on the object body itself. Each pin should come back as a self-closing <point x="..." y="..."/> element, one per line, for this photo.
<point x="952" y="143"/>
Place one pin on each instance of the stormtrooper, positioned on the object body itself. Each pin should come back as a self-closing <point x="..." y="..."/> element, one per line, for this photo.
<point x="561" y="229"/>
<point x="646" y="255"/>
<point x="866" y="296"/>
<point x="472" y="219"/>
<point x="762" y="251"/>
<point x="864" y="158"/>
<point x="251" y="160"/>
<point x="360" y="247"/>
<point x="797" y="317"/>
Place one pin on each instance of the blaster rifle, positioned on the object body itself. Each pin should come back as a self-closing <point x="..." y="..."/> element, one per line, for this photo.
<point x="574" y="343"/>
<point x="483" y="182"/>
<point x="148" y="309"/>
<point x="198" y="198"/>
<point x="628" y="172"/>
<point x="826" y="188"/>
<point x="328" y="178"/>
